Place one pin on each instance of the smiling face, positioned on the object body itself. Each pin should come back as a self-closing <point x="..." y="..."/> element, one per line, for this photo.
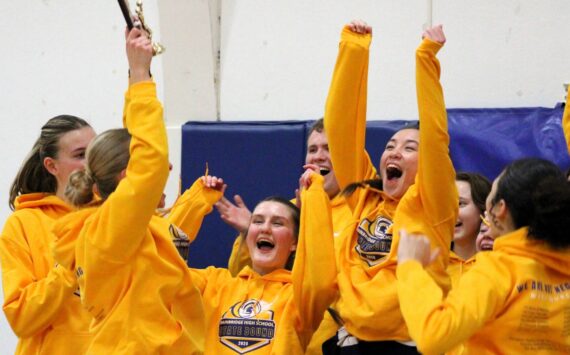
<point x="71" y="154"/>
<point x="318" y="154"/>
<point x="399" y="162"/>
<point x="270" y="237"/>
<point x="485" y="239"/>
<point x="468" y="220"/>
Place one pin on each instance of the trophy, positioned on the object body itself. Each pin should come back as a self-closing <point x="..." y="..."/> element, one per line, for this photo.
<point x="124" y="5"/>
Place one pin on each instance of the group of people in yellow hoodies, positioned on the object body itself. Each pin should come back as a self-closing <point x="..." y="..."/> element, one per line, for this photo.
<point x="89" y="267"/>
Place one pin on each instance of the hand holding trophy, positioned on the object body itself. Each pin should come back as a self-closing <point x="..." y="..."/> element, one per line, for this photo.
<point x="124" y="5"/>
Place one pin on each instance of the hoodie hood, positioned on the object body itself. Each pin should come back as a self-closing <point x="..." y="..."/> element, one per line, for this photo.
<point x="454" y="258"/>
<point x="66" y="231"/>
<point x="518" y="243"/>
<point x="49" y="203"/>
<point x="280" y="275"/>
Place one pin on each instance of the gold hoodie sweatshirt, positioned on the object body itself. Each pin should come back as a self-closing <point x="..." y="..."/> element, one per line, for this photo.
<point x="276" y="313"/>
<point x="132" y="279"/>
<point x="341" y="217"/>
<point x="368" y="301"/>
<point x="515" y="300"/>
<point x="458" y="267"/>
<point x="40" y="301"/>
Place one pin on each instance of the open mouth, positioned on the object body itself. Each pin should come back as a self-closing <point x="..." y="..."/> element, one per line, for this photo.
<point x="324" y="171"/>
<point x="393" y="172"/>
<point x="265" y="245"/>
<point x="487" y="245"/>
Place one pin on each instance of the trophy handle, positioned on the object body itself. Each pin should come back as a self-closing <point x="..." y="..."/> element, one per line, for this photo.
<point x="124" y="5"/>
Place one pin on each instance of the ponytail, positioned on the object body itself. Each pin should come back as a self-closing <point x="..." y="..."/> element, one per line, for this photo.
<point x="107" y="155"/>
<point x="32" y="175"/>
<point x="537" y="195"/>
<point x="351" y="188"/>
<point x="551" y="220"/>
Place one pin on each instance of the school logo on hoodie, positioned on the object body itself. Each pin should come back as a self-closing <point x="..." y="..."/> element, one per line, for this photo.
<point x="374" y="240"/>
<point x="247" y="326"/>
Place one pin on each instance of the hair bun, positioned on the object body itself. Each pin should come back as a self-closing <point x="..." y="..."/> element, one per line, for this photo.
<point x="79" y="189"/>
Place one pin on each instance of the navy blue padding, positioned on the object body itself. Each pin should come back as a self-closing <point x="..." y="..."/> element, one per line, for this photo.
<point x="259" y="159"/>
<point x="485" y="140"/>
<point x="256" y="160"/>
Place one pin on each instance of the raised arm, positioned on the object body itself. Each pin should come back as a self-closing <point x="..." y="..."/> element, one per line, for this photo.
<point x="436" y="175"/>
<point x="345" y="112"/>
<point x="129" y="208"/>
<point x="314" y="271"/>
<point x="195" y="203"/>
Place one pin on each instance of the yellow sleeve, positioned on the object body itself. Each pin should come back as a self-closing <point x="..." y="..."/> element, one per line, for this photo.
<point x="314" y="270"/>
<point x="566" y="119"/>
<point x="190" y="209"/>
<point x="210" y="276"/>
<point x="126" y="107"/>
<point x="436" y="174"/>
<point x="239" y="257"/>
<point x="438" y="324"/>
<point x="345" y="111"/>
<point x="126" y="214"/>
<point x="30" y="304"/>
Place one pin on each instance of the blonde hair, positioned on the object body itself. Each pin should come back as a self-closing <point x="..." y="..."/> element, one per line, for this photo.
<point x="107" y="155"/>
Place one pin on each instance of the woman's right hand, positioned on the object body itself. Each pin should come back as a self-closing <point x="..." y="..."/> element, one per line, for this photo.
<point x="360" y="27"/>
<point x="139" y="55"/>
<point x="214" y="183"/>
<point x="435" y="34"/>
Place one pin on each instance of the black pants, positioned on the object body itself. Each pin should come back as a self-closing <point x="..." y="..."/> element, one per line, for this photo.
<point x="389" y="347"/>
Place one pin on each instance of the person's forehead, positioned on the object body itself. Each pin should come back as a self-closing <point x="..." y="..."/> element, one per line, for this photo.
<point x="272" y="209"/>
<point x="317" y="138"/>
<point x="78" y="138"/>
<point x="406" y="135"/>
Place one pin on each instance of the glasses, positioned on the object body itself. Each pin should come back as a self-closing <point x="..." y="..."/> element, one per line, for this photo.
<point x="484" y="219"/>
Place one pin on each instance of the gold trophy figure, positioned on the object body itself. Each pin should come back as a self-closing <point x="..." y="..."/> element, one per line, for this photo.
<point x="124" y="4"/>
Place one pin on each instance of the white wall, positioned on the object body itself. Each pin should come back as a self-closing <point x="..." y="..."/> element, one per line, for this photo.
<point x="277" y="57"/>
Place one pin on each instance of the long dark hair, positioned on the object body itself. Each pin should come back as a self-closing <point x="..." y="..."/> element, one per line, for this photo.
<point x="537" y="195"/>
<point x="33" y="176"/>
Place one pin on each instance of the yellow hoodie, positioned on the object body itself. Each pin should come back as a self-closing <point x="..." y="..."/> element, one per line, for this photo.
<point x="367" y="261"/>
<point x="515" y="300"/>
<point x="40" y="301"/>
<point x="458" y="267"/>
<point x="341" y="217"/>
<point x="131" y="277"/>
<point x="278" y="312"/>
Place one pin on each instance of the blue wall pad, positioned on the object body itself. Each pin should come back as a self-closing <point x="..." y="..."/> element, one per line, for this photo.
<point x="259" y="159"/>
